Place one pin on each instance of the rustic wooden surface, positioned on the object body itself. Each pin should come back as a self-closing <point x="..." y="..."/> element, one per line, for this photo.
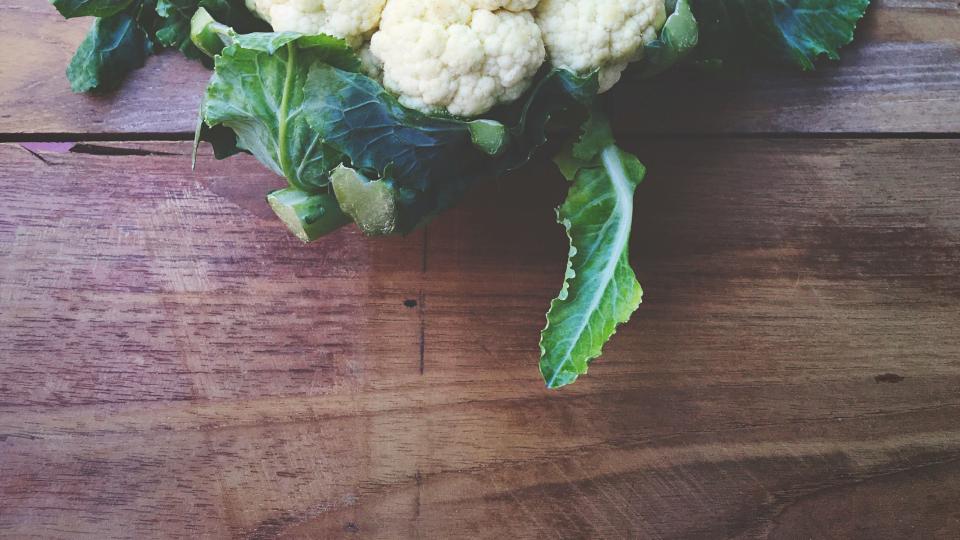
<point x="902" y="76"/>
<point x="173" y="364"/>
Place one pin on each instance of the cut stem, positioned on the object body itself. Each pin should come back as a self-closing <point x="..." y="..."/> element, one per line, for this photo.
<point x="371" y="203"/>
<point x="308" y="216"/>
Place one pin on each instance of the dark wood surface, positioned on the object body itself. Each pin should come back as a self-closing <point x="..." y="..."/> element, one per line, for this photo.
<point x="902" y="76"/>
<point x="173" y="363"/>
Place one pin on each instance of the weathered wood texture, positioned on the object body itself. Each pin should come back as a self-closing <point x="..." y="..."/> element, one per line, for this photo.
<point x="902" y="76"/>
<point x="173" y="364"/>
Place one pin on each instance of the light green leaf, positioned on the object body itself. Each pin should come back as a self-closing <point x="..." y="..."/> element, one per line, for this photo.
<point x="260" y="96"/>
<point x="600" y="290"/>
<point x="677" y="39"/>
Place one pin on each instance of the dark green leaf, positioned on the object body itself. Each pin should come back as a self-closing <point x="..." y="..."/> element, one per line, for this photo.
<point x="221" y="138"/>
<point x="233" y="13"/>
<point x="791" y="31"/>
<point x="90" y="8"/>
<point x="172" y="8"/>
<point x="127" y="30"/>
<point x="366" y="123"/>
<point x="556" y="91"/>
<point x="113" y="47"/>
<point x="429" y="161"/>
<point x="173" y="33"/>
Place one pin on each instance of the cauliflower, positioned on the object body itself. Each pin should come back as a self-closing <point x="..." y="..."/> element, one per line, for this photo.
<point x="512" y="5"/>
<point x="466" y="56"/>
<point x="351" y="20"/>
<point x="583" y="35"/>
<point x="462" y="56"/>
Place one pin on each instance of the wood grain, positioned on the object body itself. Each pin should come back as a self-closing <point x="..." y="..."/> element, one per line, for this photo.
<point x="172" y="364"/>
<point x="903" y="75"/>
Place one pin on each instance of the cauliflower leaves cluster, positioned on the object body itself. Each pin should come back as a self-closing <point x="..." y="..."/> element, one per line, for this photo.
<point x="464" y="57"/>
<point x="319" y="103"/>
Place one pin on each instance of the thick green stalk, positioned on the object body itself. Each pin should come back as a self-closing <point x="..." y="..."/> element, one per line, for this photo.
<point x="308" y="216"/>
<point x="282" y="117"/>
<point x="371" y="203"/>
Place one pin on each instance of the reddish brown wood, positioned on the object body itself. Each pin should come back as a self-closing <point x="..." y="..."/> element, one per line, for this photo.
<point x="172" y="363"/>
<point x="902" y="76"/>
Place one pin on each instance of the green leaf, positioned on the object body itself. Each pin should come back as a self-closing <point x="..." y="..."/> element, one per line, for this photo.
<point x="127" y="31"/>
<point x="428" y="161"/>
<point x="260" y="96"/>
<point x="266" y="42"/>
<point x="172" y="25"/>
<point x="174" y="33"/>
<point x="600" y="290"/>
<point x="555" y="92"/>
<point x="169" y="8"/>
<point x="233" y="13"/>
<point x="205" y="33"/>
<point x="791" y="31"/>
<point x="679" y="36"/>
<point x="489" y="136"/>
<point x="370" y="126"/>
<point x="90" y="8"/>
<point x="114" y="46"/>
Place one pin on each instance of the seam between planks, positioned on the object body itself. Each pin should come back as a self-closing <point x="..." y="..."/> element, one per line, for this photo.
<point x="187" y="137"/>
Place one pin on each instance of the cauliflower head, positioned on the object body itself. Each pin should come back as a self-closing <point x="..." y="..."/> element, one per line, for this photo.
<point x="351" y="20"/>
<point x="461" y="56"/>
<point x="584" y="35"/>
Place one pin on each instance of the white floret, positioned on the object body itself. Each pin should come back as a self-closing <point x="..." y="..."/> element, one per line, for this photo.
<point x="369" y="64"/>
<point x="352" y="20"/>
<point x="583" y="35"/>
<point x="459" y="56"/>
<point x="512" y="5"/>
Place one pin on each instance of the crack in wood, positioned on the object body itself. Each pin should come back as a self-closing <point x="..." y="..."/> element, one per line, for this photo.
<point x="98" y="150"/>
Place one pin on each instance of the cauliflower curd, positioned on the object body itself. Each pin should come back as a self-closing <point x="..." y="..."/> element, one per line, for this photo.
<point x="583" y="35"/>
<point x="351" y="20"/>
<point x="466" y="56"/>
<point x="456" y="55"/>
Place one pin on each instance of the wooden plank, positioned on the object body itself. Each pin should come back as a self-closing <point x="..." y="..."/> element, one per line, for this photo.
<point x="181" y="274"/>
<point x="35" y="96"/>
<point x="172" y="364"/>
<point x="902" y="76"/>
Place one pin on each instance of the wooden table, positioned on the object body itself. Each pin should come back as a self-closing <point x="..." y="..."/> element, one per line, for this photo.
<point x="174" y="364"/>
